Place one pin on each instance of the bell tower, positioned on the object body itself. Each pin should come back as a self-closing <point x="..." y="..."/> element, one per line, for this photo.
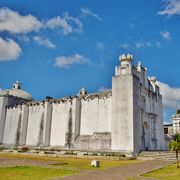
<point x="125" y="66"/>
<point x="122" y="106"/>
<point x="17" y="85"/>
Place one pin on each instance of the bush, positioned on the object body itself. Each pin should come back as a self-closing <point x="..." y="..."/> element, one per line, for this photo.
<point x="52" y="149"/>
<point x="25" y="149"/>
<point x="70" y="153"/>
<point x="116" y="154"/>
<point x="2" y="148"/>
<point x="178" y="111"/>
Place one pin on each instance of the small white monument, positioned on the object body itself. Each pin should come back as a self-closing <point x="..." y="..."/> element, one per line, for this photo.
<point x="95" y="163"/>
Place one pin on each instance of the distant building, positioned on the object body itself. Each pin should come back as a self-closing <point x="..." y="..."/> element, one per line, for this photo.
<point x="168" y="129"/>
<point x="171" y="129"/>
<point x="168" y="134"/>
<point x="176" y="123"/>
<point x="126" y="119"/>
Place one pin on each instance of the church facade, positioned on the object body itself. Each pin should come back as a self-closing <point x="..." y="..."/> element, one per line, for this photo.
<point x="127" y="118"/>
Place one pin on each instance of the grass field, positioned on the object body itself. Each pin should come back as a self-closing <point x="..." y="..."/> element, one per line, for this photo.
<point x="29" y="173"/>
<point x="168" y="173"/>
<point x="52" y="166"/>
<point x="73" y="163"/>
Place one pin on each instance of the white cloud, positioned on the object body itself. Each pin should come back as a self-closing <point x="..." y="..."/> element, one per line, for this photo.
<point x="102" y="89"/>
<point x="68" y="61"/>
<point x="166" y="122"/>
<point x="25" y="38"/>
<point x="171" y="96"/>
<point x="170" y="8"/>
<point x="9" y="50"/>
<point x="45" y="42"/>
<point x="88" y="12"/>
<point x="0" y="89"/>
<point x="65" y="24"/>
<point x="146" y="44"/>
<point x="166" y="35"/>
<point x="157" y="44"/>
<point x="100" y="46"/>
<point x="13" y="22"/>
<point x="124" y="45"/>
<point x="141" y="44"/>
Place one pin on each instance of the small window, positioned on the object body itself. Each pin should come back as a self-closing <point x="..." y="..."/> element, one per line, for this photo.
<point x="165" y="130"/>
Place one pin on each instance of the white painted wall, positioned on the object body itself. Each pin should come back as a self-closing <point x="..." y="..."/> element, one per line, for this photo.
<point x="95" y="115"/>
<point x="24" y="115"/>
<point x="59" y="124"/>
<point x="160" y="128"/>
<point x="122" y="113"/>
<point x="34" y="121"/>
<point x="11" y="125"/>
<point x="47" y="123"/>
<point x="3" y="104"/>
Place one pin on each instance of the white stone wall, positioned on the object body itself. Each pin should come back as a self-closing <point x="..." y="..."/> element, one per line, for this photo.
<point x="122" y="113"/>
<point x="3" y="104"/>
<point x="95" y="115"/>
<point x="12" y="124"/>
<point x="35" y="125"/>
<point x="59" y="124"/>
<point x="160" y="130"/>
<point x="137" y="124"/>
<point x="24" y="124"/>
<point x="47" y="123"/>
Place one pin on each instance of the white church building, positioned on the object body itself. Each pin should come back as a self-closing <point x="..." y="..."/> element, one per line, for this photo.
<point x="126" y="119"/>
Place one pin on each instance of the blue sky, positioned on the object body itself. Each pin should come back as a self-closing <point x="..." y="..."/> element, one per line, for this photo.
<point x="56" y="47"/>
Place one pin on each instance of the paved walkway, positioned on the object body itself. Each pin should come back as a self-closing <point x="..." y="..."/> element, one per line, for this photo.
<point x="119" y="173"/>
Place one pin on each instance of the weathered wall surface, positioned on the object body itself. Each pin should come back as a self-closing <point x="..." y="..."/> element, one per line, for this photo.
<point x="95" y="115"/>
<point x="59" y="127"/>
<point x="137" y="126"/>
<point x="122" y="113"/>
<point x="24" y="124"/>
<point x="3" y="104"/>
<point x="97" y="141"/>
<point x="12" y="126"/>
<point x="160" y="127"/>
<point x="35" y="125"/>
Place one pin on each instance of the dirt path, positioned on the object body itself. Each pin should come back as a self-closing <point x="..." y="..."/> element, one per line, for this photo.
<point x="119" y="173"/>
<point x="8" y="162"/>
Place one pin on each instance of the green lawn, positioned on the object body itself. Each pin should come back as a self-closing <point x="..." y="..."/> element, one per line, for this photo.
<point x="54" y="166"/>
<point x="29" y="173"/>
<point x="168" y="173"/>
<point x="72" y="163"/>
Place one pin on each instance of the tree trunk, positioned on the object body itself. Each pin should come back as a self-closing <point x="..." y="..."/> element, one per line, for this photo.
<point x="177" y="159"/>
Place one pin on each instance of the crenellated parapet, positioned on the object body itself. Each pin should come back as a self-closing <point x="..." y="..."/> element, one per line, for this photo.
<point x="128" y="57"/>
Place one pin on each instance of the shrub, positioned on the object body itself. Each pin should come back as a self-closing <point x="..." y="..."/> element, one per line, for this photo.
<point x="70" y="153"/>
<point x="178" y="111"/>
<point x="25" y="149"/>
<point x="2" y="148"/>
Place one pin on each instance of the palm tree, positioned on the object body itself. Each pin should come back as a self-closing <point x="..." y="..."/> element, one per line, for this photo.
<point x="174" y="145"/>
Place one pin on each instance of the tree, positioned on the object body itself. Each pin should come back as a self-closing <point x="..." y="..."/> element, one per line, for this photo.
<point x="174" y="145"/>
<point x="178" y="111"/>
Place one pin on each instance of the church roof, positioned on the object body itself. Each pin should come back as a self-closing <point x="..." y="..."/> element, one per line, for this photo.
<point x="102" y="94"/>
<point x="17" y="92"/>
